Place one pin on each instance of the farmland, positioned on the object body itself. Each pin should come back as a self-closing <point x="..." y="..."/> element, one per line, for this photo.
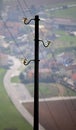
<point x="56" y="114"/>
<point x="47" y="90"/>
<point x="67" y="13"/>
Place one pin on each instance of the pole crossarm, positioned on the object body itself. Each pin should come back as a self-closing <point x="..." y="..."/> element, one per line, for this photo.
<point x="25" y="62"/>
<point x="45" y="44"/>
<point x="25" y="20"/>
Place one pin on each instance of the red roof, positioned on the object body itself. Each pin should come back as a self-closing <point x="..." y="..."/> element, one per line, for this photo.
<point x="74" y="76"/>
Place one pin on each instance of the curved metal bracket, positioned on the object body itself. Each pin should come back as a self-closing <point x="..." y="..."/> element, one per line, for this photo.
<point x="25" y="20"/>
<point x="48" y="42"/>
<point x="25" y="62"/>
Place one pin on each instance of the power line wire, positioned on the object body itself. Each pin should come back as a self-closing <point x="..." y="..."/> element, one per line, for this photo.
<point x="21" y="7"/>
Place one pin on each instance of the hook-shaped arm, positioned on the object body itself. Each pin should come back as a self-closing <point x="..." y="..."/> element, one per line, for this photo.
<point x="25" y="20"/>
<point x="48" y="42"/>
<point x="25" y="62"/>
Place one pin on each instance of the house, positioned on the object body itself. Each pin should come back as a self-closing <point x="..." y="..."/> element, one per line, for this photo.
<point x="65" y="24"/>
<point x="74" y="76"/>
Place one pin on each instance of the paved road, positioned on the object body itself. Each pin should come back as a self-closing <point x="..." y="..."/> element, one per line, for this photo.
<point x="50" y="99"/>
<point x="18" y="92"/>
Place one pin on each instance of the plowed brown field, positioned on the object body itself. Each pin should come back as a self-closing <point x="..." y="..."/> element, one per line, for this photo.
<point x="56" y="115"/>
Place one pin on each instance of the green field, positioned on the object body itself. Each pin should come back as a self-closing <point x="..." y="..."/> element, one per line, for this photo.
<point x="65" y="42"/>
<point x="51" y="90"/>
<point x="65" y="38"/>
<point x="47" y="90"/>
<point x="63" y="13"/>
<point x="10" y="118"/>
<point x="15" y="79"/>
<point x="66" y="13"/>
<point x="55" y="4"/>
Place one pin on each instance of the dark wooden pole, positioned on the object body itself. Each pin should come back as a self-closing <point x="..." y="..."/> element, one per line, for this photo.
<point x="36" y="75"/>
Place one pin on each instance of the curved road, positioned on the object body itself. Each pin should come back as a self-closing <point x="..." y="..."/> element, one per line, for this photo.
<point x="18" y="92"/>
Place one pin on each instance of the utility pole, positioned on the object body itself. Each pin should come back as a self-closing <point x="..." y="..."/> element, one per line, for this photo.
<point x="36" y="75"/>
<point x="36" y="70"/>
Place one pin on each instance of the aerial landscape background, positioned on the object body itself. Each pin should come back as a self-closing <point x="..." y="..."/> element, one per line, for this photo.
<point x="57" y="66"/>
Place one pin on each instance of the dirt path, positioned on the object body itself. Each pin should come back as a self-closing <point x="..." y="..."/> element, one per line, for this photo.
<point x="61" y="90"/>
